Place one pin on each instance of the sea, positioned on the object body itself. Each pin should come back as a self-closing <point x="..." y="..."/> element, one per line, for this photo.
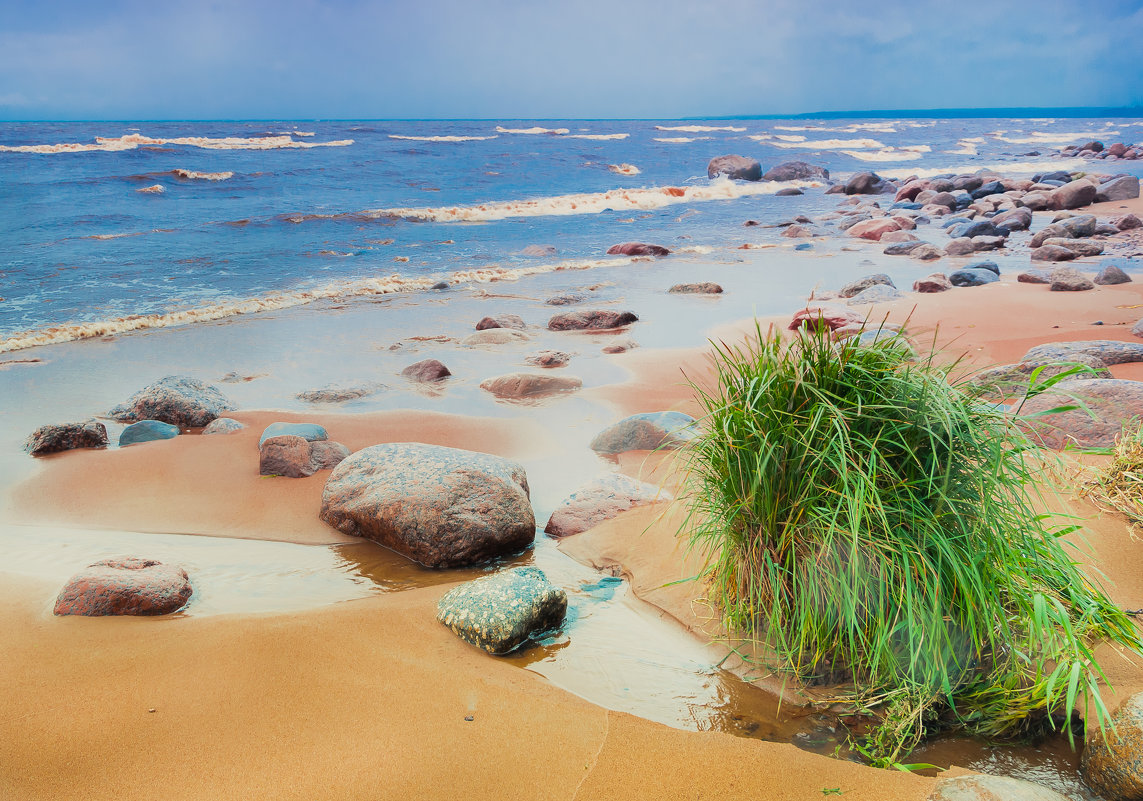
<point x="113" y="227"/>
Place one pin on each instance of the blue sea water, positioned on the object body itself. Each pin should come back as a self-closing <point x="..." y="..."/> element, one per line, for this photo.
<point x="331" y="208"/>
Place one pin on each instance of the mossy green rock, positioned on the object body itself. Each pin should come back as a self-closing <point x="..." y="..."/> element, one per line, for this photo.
<point x="1112" y="763"/>
<point x="498" y="613"/>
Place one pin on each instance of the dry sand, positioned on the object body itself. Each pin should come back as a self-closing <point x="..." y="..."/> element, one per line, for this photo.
<point x="367" y="699"/>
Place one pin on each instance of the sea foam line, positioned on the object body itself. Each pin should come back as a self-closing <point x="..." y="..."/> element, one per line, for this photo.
<point x="534" y="130"/>
<point x="112" y="144"/>
<point x="276" y="301"/>
<point x="698" y="128"/>
<point x="444" y="138"/>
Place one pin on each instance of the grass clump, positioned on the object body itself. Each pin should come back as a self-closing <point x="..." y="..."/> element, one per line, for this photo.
<point x="1118" y="486"/>
<point x="876" y="526"/>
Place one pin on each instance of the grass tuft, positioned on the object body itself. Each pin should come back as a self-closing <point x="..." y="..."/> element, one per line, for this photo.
<point x="877" y="527"/>
<point x="1118" y="486"/>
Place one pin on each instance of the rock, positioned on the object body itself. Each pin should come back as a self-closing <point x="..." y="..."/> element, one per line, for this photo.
<point x="426" y="371"/>
<point x="339" y="394"/>
<point x="1111" y="275"/>
<point x="1105" y="229"/>
<point x="539" y="250"/>
<point x="735" y="167"/>
<point x="1015" y="220"/>
<point x="223" y="425"/>
<point x="1076" y="227"/>
<point x="326" y="455"/>
<point x="125" y="586"/>
<point x="1111" y="404"/>
<point x="961" y="246"/>
<point x="1125" y="187"/>
<point x="442" y="507"/>
<point x="937" y="282"/>
<point x="591" y="320"/>
<point x="974" y="228"/>
<point x="873" y="229"/>
<point x="1073" y="195"/>
<point x="946" y="199"/>
<point x="501" y="612"/>
<point x="1035" y="201"/>
<point x="637" y="249"/>
<point x="601" y="500"/>
<point x="816" y="315"/>
<point x="984" y="265"/>
<point x="310" y="432"/>
<point x="703" y="288"/>
<point x="1053" y="253"/>
<point x="569" y="299"/>
<point x="899" y="236"/>
<point x="1080" y="247"/>
<point x="1112" y="761"/>
<point x="983" y="787"/>
<point x="980" y="243"/>
<point x="494" y="336"/>
<point x="529" y="385"/>
<point x="646" y="432"/>
<point x="177" y="399"/>
<point x="620" y="346"/>
<point x="1117" y="149"/>
<point x="878" y="293"/>
<point x="902" y="248"/>
<point x="836" y="189"/>
<point x="967" y="183"/>
<point x="926" y="252"/>
<point x="800" y="232"/>
<point x="549" y="358"/>
<point x="1013" y="379"/>
<point x="864" y="183"/>
<point x="1034" y="276"/>
<point x="501" y="321"/>
<point x="987" y="189"/>
<point x="1137" y="329"/>
<point x="1127" y="222"/>
<point x="853" y="219"/>
<point x="788" y="192"/>
<point x="54" y="438"/>
<point x="1108" y="351"/>
<point x="285" y="455"/>
<point x="972" y="277"/>
<point x="1091" y="147"/>
<point x="147" y="431"/>
<point x="861" y="284"/>
<point x="796" y="171"/>
<point x="1069" y="280"/>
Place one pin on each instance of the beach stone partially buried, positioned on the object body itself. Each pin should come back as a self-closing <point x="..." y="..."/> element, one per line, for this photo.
<point x="1065" y="279"/>
<point x="1110" y="404"/>
<point x="549" y="358"/>
<point x="57" y="437"/>
<point x="501" y="612"/>
<point x="973" y="276"/>
<point x="223" y="425"/>
<point x="637" y="249"/>
<point x="340" y="394"/>
<point x="601" y="499"/>
<point x="147" y="431"/>
<point x="1112" y="761"/>
<point x="529" y="385"/>
<point x="311" y="432"/>
<point x="495" y="336"/>
<point x="862" y="284"/>
<point x="701" y="288"/>
<point x="502" y="321"/>
<point x="1034" y="276"/>
<point x="294" y="456"/>
<point x="426" y="371"/>
<point x="646" y="432"/>
<point x="594" y="320"/>
<point x="126" y="585"/>
<point x="937" y="282"/>
<point x="1111" y="275"/>
<point x="177" y="399"/>
<point x="983" y="787"/>
<point x="796" y="171"/>
<point x="878" y="293"/>
<point x="441" y="507"/>
<point x="1073" y="195"/>
<point x="1053" y="253"/>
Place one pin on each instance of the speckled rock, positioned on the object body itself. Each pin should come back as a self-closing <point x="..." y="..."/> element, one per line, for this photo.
<point x="285" y="455"/>
<point x="926" y="252"/>
<point x="442" y="507"/>
<point x="796" y="171"/>
<point x="1127" y="222"/>
<point x="637" y="249"/>
<point x="501" y="612"/>
<point x="529" y="385"/>
<point x="982" y="787"/>
<point x="701" y="288"/>
<point x="311" y="432"/>
<point x="1111" y="403"/>
<point x="147" y="431"/>
<point x="645" y="432"/>
<point x="54" y="438"/>
<point x="1109" y="351"/>
<point x="937" y="282"/>
<point x="125" y="586"/>
<point x="1065" y="279"/>
<point x="601" y="499"/>
<point x="863" y="283"/>
<point x="326" y="455"/>
<point x="426" y="371"/>
<point x="591" y="320"/>
<point x="902" y="248"/>
<point x="501" y="321"/>
<point x="223" y="425"/>
<point x="1073" y="195"/>
<point x="1053" y="253"/>
<point x="495" y="336"/>
<point x="340" y="394"/>
<point x="1012" y="379"/>
<point x="567" y="299"/>
<point x="1111" y="275"/>
<point x="1112" y="762"/>
<point x="549" y="358"/>
<point x="873" y="229"/>
<point x="1080" y="247"/>
<point x="177" y="399"/>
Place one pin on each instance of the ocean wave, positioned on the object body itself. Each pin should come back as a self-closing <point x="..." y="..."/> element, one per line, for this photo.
<point x="698" y="128"/>
<point x="760" y="137"/>
<point x="829" y="144"/>
<point x="967" y="146"/>
<point x="624" y="169"/>
<point x="877" y="127"/>
<point x="443" y="138"/>
<point x="110" y="144"/>
<point x="598" y="137"/>
<point x="1049" y="138"/>
<point x="790" y="138"/>
<point x="885" y="154"/>
<point x="678" y="140"/>
<point x="276" y="301"/>
<point x="534" y="130"/>
<point x="157" y="189"/>
<point x="1005" y="168"/>
<point x="191" y="175"/>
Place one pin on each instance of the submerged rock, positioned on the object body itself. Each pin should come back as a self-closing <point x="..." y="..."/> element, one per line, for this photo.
<point x="529" y="385"/>
<point x="796" y="171"/>
<point x="501" y="321"/>
<point x="735" y="167"/>
<point x="147" y="431"/>
<point x="646" y="432"/>
<point x="601" y="499"/>
<point x="637" y="249"/>
<point x="591" y="320"/>
<point x="125" y="586"/>
<point x="702" y="288"/>
<point x="426" y="371"/>
<point x="495" y="336"/>
<point x="177" y="399"/>
<point x="972" y="277"/>
<point x="549" y="358"/>
<point x="878" y="293"/>
<point x="983" y="787"/>
<point x="57" y="437"/>
<point x="442" y="507"/>
<point x="501" y="612"/>
<point x="340" y="394"/>
<point x="1112" y="761"/>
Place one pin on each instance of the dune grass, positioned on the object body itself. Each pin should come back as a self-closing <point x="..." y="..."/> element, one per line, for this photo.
<point x="1118" y="486"/>
<point x="873" y="525"/>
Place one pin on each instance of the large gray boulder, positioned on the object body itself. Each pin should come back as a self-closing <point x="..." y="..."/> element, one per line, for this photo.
<point x="1112" y="761"/>
<point x="645" y="432"/>
<point x="1104" y="406"/>
<point x="177" y="399"/>
<point x="736" y="167"/>
<point x="1125" y="187"/>
<point x="1073" y="195"/>
<point x="501" y="612"/>
<point x="54" y="438"/>
<point x="442" y="507"/>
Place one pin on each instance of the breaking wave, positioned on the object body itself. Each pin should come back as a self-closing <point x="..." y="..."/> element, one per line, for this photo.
<point x="534" y="130"/>
<point x="624" y="169"/>
<point x="191" y="175"/>
<point x="827" y="144"/>
<point x="698" y="128"/>
<point x="443" y="138"/>
<point x="679" y="139"/>
<point x="109" y="144"/>
<point x="888" y="153"/>
<point x="599" y="137"/>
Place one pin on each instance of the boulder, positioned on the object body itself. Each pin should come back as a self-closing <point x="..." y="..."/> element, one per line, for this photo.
<point x="788" y="192"/>
<point x="1035" y="201"/>
<point x="874" y="229"/>
<point x="861" y="284"/>
<point x="549" y="358"/>
<point x="501" y="321"/>
<point x="926" y="252"/>
<point x="864" y="183"/>
<point x="1111" y="275"/>
<point x="902" y="248"/>
<point x="1073" y="195"/>
<point x="1127" y="222"/>
<point x="1013" y="379"/>
<point x="177" y="399"/>
<point x="1078" y="226"/>
<point x="325" y="455"/>
<point x="816" y="315"/>
<point x="972" y="277"/>
<point x="223" y="425"/>
<point x="426" y="371"/>
<point x="54" y="438"/>
<point x="853" y="219"/>
<point x="980" y="243"/>
<point x="946" y="199"/>
<point x="1125" y="187"/>
<point x="878" y="293"/>
<point x="1137" y="329"/>
<point x="984" y="265"/>
<point x="311" y="432"/>
<point x="796" y="171"/>
<point x="1111" y="404"/>
<point x="974" y="228"/>
<point x="800" y="232"/>
<point x="591" y="320"/>
<point x="441" y="507"/>
<point x="637" y="249"/>
<point x="1069" y="280"/>
<point x="1109" y="351"/>
<point x="529" y="385"/>
<point x="494" y="336"/>
<point x="601" y="500"/>
<point x="1034" y="276"/>
<point x="646" y="432"/>
<point x="702" y="288"/>
<point x="1091" y="147"/>
<point x="147" y="431"/>
<point x="1080" y="247"/>
<point x="899" y="236"/>
<point x="983" y="787"/>
<point x="1053" y="253"/>
<point x="501" y="612"/>
<point x="937" y="282"/>
<point x="961" y="246"/>
<point x="285" y="455"/>
<point x="126" y="585"/>
<point x="736" y="167"/>
<point x="1014" y="220"/>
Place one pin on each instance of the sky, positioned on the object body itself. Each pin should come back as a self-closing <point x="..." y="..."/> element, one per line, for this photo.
<point x="553" y="59"/>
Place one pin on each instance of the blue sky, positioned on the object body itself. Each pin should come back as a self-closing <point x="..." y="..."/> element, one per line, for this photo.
<point x="525" y="59"/>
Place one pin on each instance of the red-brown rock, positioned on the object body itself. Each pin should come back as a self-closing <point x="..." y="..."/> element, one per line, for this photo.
<point x="596" y="320"/>
<point x="601" y="500"/>
<point x="426" y="371"/>
<point x="937" y="282"/>
<point x="637" y="249"/>
<point x="815" y="316"/>
<point x="125" y="586"/>
<point x="874" y="229"/>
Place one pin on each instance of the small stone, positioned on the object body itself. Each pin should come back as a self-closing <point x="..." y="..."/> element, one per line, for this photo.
<point x="937" y="282"/>
<point x="223" y="425"/>
<point x="861" y="284"/>
<point x="549" y="358"/>
<point x="426" y="371"/>
<point x="147" y="431"/>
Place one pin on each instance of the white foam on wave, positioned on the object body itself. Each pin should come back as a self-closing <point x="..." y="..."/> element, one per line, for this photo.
<point x="587" y="203"/>
<point x="698" y="128"/>
<point x="191" y="175"/>
<point x="878" y="127"/>
<point x="828" y="144"/>
<point x="338" y="290"/>
<point x="885" y="154"/>
<point x="112" y="144"/>
<point x="442" y="138"/>
<point x="598" y="137"/>
<point x="1051" y="138"/>
<point x="678" y="140"/>
<point x="967" y="146"/>
<point x="1011" y="168"/>
<point x="624" y="169"/>
<point x="790" y="138"/>
<point x="916" y="148"/>
<point x="157" y="189"/>
<point x="760" y="137"/>
<point x="534" y="130"/>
